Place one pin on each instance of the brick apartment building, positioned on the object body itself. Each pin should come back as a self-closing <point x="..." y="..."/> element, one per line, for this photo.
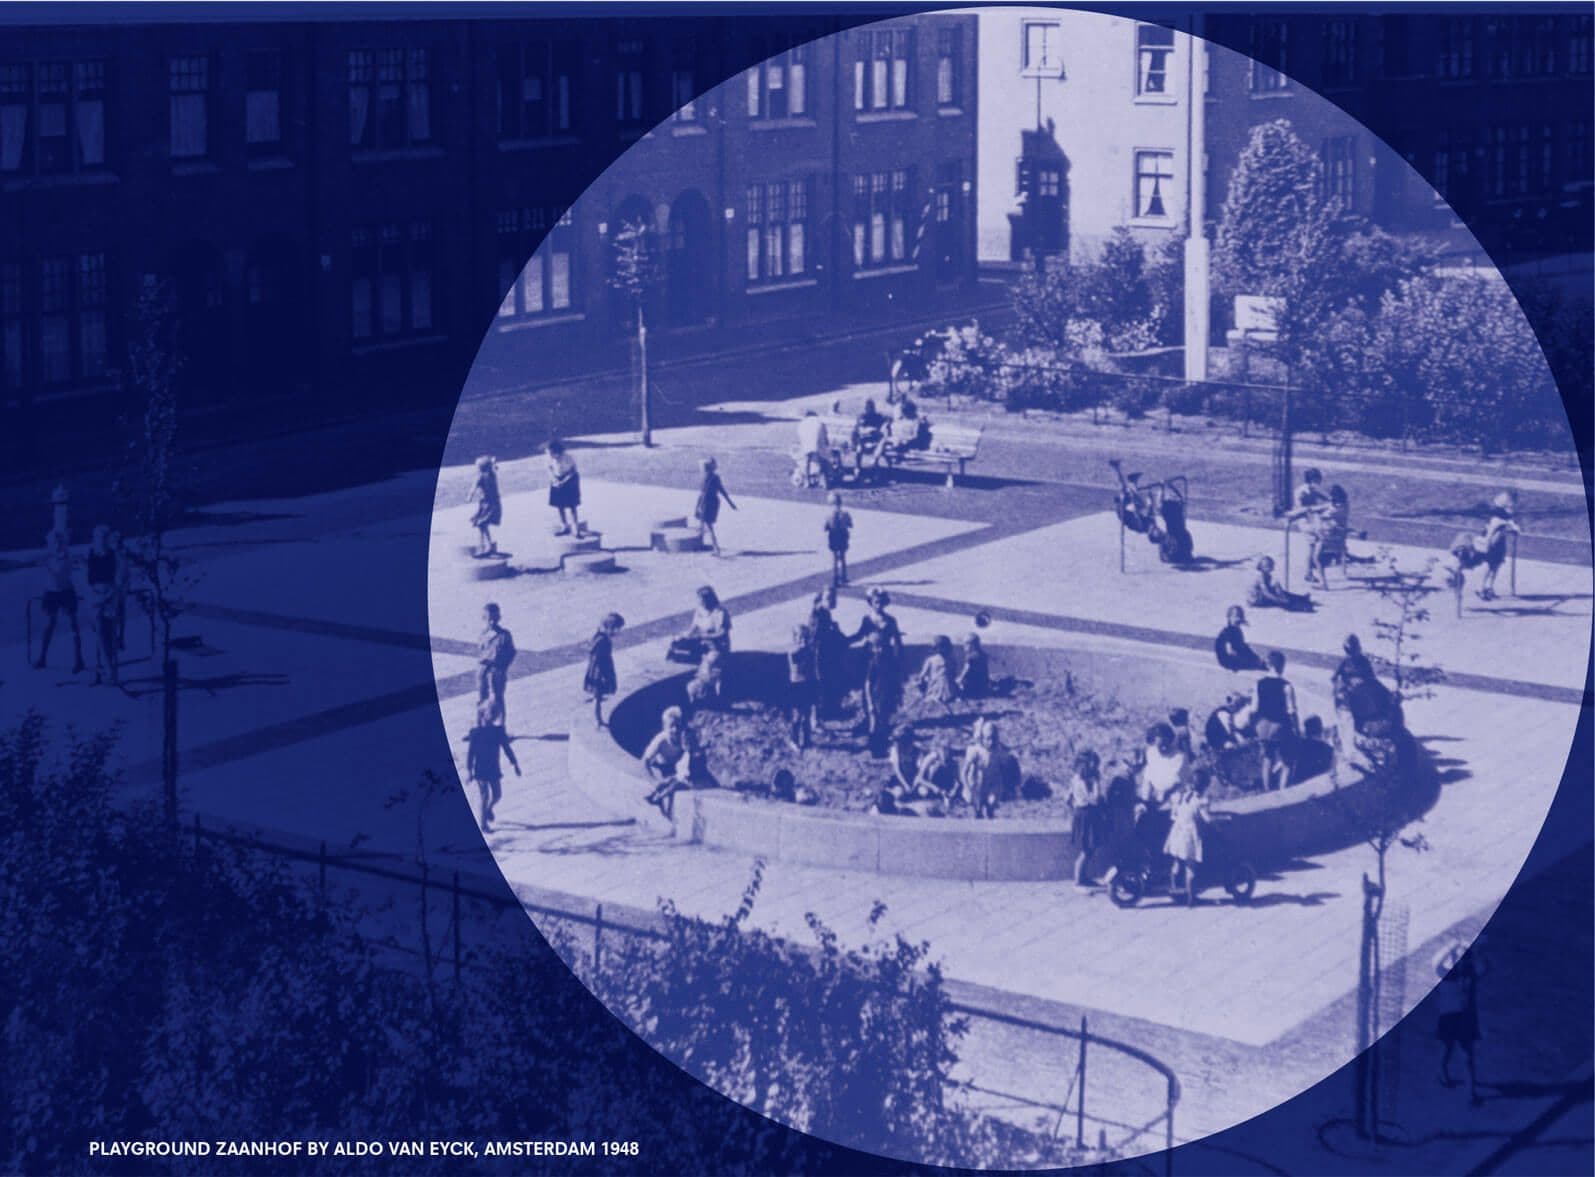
<point x="1491" y="110"/>
<point x="346" y="207"/>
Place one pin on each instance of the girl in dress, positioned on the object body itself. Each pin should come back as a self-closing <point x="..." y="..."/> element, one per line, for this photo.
<point x="565" y="489"/>
<point x="489" y="506"/>
<point x="935" y="677"/>
<point x="882" y="692"/>
<point x="600" y="679"/>
<point x="707" y="510"/>
<point x="1086" y="795"/>
<point x="1187" y="812"/>
<point x="838" y="536"/>
<point x="801" y="686"/>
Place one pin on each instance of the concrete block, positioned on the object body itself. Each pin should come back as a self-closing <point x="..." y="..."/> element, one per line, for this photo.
<point x="933" y="848"/>
<point x="844" y="843"/>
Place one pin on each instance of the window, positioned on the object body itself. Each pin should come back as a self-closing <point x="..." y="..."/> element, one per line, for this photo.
<point x="1498" y="161"/>
<point x="1340" y="169"/>
<point x="88" y="113"/>
<point x="778" y="230"/>
<point x="1340" y="52"/>
<point x="881" y="211"/>
<point x="949" y="49"/>
<point x="392" y="289"/>
<point x="1542" y="48"/>
<point x="52" y="117"/>
<point x="64" y="328"/>
<point x="1456" y="47"/>
<point x="1523" y="156"/>
<point x="534" y="89"/>
<point x="778" y="87"/>
<point x="684" y="73"/>
<point x="1394" y="47"/>
<point x="1154" y="50"/>
<point x="628" y="83"/>
<point x="1154" y="180"/>
<point x="882" y="70"/>
<point x="263" y="99"/>
<point x="1578" y="46"/>
<point x="390" y="98"/>
<point x="1269" y="49"/>
<point x="1041" y="53"/>
<point x="1578" y="157"/>
<point x="1546" y="181"/>
<point x="13" y="326"/>
<point x="188" y="84"/>
<point x="1501" y="36"/>
<point x="534" y="262"/>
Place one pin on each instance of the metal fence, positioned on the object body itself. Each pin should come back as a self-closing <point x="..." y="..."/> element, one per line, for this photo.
<point x="1124" y="1080"/>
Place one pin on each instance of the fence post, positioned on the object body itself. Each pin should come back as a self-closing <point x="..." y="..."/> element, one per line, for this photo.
<point x="1168" y="1133"/>
<point x="1079" y="1112"/>
<point x="598" y="937"/>
<point x="456" y="926"/>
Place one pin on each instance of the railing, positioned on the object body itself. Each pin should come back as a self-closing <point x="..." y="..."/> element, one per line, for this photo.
<point x="459" y="889"/>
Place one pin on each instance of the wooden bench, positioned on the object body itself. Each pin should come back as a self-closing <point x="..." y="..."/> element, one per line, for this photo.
<point x="951" y="447"/>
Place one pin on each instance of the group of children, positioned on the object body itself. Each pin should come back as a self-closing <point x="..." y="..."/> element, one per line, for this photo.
<point x="1157" y="801"/>
<point x="564" y="496"/>
<point x="107" y="568"/>
<point x="931" y="785"/>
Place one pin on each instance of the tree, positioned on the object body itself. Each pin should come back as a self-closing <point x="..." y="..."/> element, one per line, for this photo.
<point x="1274" y="213"/>
<point x="1457" y="351"/>
<point x="636" y="272"/>
<point x="1383" y="806"/>
<point x="153" y="489"/>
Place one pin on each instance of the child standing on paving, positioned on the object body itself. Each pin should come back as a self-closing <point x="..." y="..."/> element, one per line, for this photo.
<point x="600" y="679"/>
<point x="707" y="510"/>
<point x="838" y="537"/>
<point x="483" y="744"/>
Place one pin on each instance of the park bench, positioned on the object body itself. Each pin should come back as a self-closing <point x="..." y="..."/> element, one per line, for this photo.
<point x="951" y="447"/>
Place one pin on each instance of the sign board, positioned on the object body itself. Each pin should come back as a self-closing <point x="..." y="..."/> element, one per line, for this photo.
<point x="1254" y="314"/>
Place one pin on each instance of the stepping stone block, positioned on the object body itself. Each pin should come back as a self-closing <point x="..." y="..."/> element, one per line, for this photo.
<point x="567" y="545"/>
<point x="676" y="537"/>
<point x="492" y="570"/>
<point x="586" y="563"/>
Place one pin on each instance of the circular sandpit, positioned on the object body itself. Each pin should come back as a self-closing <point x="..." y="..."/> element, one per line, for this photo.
<point x="1061" y="700"/>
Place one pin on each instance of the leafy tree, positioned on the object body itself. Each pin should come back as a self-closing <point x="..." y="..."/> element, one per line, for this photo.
<point x="636" y="271"/>
<point x="152" y="485"/>
<point x="1459" y="353"/>
<point x="1275" y="216"/>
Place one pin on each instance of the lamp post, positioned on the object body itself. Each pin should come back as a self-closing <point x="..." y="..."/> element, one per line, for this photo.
<point x="1196" y="244"/>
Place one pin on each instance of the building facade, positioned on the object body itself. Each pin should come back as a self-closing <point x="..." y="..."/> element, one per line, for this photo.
<point x="1492" y="110"/>
<point x="1083" y="128"/>
<point x="344" y="208"/>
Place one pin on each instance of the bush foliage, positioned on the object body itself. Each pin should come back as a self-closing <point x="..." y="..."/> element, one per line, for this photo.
<point x="156" y="985"/>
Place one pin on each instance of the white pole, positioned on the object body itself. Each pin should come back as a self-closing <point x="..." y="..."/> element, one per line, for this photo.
<point x="1196" y="245"/>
